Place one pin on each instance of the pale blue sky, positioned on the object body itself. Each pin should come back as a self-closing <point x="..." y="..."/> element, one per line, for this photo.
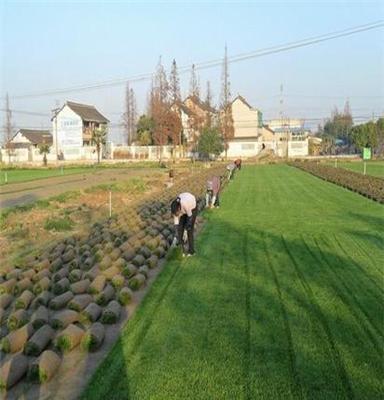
<point x="53" y="45"/>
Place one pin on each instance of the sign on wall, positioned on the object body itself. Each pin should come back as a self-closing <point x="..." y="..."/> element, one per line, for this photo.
<point x="70" y="132"/>
<point x="367" y="153"/>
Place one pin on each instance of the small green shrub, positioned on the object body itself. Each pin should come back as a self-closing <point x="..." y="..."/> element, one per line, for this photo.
<point x="58" y="224"/>
<point x="42" y="203"/>
<point x="19" y="232"/>
<point x="63" y="197"/>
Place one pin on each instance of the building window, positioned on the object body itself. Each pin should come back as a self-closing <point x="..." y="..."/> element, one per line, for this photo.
<point x="247" y="146"/>
<point x="69" y="122"/>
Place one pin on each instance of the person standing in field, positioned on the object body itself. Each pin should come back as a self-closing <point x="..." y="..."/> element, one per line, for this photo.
<point x="212" y="194"/>
<point x="184" y="212"/>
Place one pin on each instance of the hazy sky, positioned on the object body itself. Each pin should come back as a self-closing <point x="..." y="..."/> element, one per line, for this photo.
<point x="54" y="45"/>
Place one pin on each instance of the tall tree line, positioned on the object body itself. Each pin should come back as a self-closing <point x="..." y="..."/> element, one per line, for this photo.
<point x="130" y="115"/>
<point x="340" y="127"/>
<point x="162" y="125"/>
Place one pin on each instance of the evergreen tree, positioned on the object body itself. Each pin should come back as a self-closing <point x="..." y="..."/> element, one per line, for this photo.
<point x="174" y="84"/>
<point x="194" y="87"/>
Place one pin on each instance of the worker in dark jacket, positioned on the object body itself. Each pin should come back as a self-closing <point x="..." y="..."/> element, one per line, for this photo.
<point x="184" y="212"/>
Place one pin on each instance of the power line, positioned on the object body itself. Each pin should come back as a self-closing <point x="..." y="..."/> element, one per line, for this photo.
<point x="27" y="112"/>
<point x="252" y="123"/>
<point x="333" y="97"/>
<point x="213" y="63"/>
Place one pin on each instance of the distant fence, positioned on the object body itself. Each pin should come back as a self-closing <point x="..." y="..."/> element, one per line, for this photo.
<point x="142" y="152"/>
<point x="32" y="155"/>
<point x="249" y="148"/>
<point x="242" y="148"/>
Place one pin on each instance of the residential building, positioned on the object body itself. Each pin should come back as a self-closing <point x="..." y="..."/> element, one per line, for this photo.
<point x="289" y="128"/>
<point x="247" y="121"/>
<point x="72" y="127"/>
<point x="250" y="135"/>
<point x="194" y="114"/>
<point x="25" y="138"/>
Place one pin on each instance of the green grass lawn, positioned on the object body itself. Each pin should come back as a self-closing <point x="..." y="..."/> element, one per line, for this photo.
<point x="282" y="301"/>
<point x="374" y="168"/>
<point x="29" y="174"/>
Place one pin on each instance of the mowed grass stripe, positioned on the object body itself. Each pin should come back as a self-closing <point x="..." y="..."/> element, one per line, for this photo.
<point x="363" y="256"/>
<point x="311" y="343"/>
<point x="343" y="333"/>
<point x="373" y="274"/>
<point x="260" y="312"/>
<point x="349" y="297"/>
<point x="352" y="273"/>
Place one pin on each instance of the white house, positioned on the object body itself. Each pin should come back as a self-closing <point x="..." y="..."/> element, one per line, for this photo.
<point x="24" y="138"/>
<point x="72" y="127"/>
<point x="250" y="136"/>
<point x="291" y="128"/>
<point x="247" y="121"/>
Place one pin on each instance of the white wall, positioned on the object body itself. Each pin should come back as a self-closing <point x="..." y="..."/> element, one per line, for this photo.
<point x="298" y="148"/>
<point x="245" y="120"/>
<point x="253" y="148"/>
<point x="69" y="133"/>
<point x="185" y="124"/>
<point x="19" y="138"/>
<point x="33" y="155"/>
<point x="141" y="152"/>
<point x="17" y="155"/>
<point x="243" y="149"/>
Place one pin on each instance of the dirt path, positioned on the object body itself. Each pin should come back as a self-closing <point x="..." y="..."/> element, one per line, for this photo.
<point x="23" y="193"/>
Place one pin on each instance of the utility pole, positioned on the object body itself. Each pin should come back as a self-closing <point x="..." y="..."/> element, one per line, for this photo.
<point x="55" y="112"/>
<point x="283" y="121"/>
<point x="226" y="106"/>
<point x="8" y="128"/>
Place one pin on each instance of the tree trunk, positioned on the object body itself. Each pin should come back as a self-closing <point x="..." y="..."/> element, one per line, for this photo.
<point x="98" y="153"/>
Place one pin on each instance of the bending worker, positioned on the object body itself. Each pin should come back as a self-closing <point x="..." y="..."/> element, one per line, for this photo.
<point x="231" y="170"/>
<point x="212" y="194"/>
<point x="184" y="212"/>
<point x="238" y="163"/>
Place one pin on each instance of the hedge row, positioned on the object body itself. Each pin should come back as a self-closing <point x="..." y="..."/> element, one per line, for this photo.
<point x="368" y="186"/>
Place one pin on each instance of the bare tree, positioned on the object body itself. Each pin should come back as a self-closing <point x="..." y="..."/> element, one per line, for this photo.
<point x="208" y="104"/>
<point x="227" y="128"/>
<point x="8" y="128"/>
<point x="159" y="106"/>
<point x="174" y="87"/>
<point x="194" y="87"/>
<point x="169" y="124"/>
<point x="130" y="115"/>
